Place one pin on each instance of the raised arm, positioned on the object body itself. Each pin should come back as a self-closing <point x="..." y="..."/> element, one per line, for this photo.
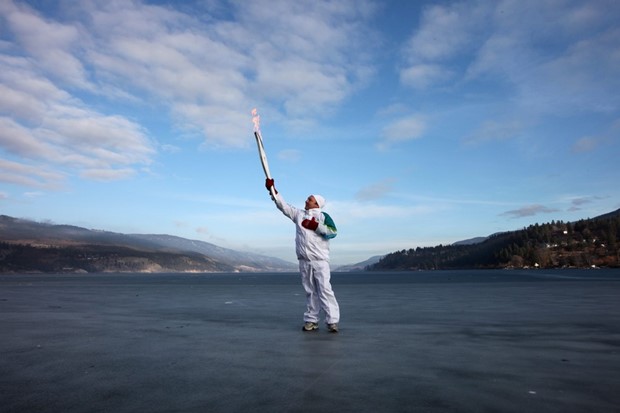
<point x="286" y="209"/>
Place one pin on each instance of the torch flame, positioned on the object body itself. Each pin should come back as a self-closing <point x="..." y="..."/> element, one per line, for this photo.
<point x="256" y="120"/>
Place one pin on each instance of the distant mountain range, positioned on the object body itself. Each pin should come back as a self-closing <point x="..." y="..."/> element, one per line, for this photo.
<point x="360" y="266"/>
<point x="29" y="246"/>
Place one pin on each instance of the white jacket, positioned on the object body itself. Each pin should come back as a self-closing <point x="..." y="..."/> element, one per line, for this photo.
<point x="309" y="245"/>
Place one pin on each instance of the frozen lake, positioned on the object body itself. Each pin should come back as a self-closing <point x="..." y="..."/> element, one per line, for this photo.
<point x="458" y="341"/>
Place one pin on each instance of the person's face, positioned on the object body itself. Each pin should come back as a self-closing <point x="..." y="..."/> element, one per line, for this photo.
<point x="311" y="203"/>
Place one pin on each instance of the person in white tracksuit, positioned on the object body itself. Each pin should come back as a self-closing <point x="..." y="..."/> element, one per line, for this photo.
<point x="314" y="229"/>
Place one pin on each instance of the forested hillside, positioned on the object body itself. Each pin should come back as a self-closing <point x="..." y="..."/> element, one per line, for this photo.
<point x="28" y="246"/>
<point x="586" y="243"/>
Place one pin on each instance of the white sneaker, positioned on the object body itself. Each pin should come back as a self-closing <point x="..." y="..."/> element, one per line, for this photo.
<point x="309" y="326"/>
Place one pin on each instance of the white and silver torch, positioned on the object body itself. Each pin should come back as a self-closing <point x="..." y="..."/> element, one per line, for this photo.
<point x="261" y="148"/>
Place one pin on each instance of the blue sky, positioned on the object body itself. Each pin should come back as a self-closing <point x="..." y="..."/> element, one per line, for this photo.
<point x="421" y="123"/>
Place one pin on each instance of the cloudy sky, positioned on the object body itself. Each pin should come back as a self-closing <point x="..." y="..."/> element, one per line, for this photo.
<point x="421" y="122"/>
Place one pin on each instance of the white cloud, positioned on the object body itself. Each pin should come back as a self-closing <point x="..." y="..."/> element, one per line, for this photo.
<point x="402" y="130"/>
<point x="376" y="191"/>
<point x="301" y="59"/>
<point x="52" y="44"/>
<point x="29" y="175"/>
<point x="43" y="123"/>
<point x="586" y="144"/>
<point x="584" y="78"/>
<point x="168" y="148"/>
<point x="202" y="230"/>
<point x="421" y="76"/>
<point x="577" y="203"/>
<point x="528" y="211"/>
<point x="107" y="174"/>
<point x="446" y="31"/>
<point x="180" y="224"/>
<point x="552" y="56"/>
<point x="445" y="34"/>
<point x="40" y="122"/>
<point x="496" y="131"/>
<point x="290" y="155"/>
<point x="19" y="140"/>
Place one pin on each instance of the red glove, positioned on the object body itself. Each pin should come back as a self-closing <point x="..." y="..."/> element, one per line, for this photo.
<point x="310" y="224"/>
<point x="270" y="183"/>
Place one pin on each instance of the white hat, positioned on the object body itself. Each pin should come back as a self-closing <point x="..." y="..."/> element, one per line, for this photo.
<point x="319" y="200"/>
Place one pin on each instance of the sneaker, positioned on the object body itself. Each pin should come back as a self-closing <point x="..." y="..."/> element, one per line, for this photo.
<point x="309" y="326"/>
<point x="332" y="328"/>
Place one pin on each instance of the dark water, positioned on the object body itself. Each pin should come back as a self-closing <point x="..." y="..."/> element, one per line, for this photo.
<point x="439" y="341"/>
<point x="361" y="277"/>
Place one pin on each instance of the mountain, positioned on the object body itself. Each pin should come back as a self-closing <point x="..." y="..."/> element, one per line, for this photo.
<point x="27" y="246"/>
<point x="587" y="243"/>
<point x="360" y="266"/>
<point x="245" y="261"/>
<point x="471" y="241"/>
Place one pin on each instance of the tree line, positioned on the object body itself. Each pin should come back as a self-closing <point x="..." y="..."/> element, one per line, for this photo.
<point x="23" y="258"/>
<point x="581" y="244"/>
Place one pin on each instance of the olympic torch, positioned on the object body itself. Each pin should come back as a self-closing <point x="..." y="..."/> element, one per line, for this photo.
<point x="261" y="148"/>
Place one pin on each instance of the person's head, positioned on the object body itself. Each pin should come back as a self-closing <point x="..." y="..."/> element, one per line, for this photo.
<point x="315" y="201"/>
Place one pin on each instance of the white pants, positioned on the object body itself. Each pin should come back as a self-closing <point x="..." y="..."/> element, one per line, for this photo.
<point x="315" y="277"/>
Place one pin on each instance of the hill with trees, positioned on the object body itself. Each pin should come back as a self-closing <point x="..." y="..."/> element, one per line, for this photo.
<point x="582" y="244"/>
<point x="29" y="246"/>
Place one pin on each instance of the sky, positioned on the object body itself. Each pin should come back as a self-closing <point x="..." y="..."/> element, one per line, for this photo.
<point x="421" y="122"/>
